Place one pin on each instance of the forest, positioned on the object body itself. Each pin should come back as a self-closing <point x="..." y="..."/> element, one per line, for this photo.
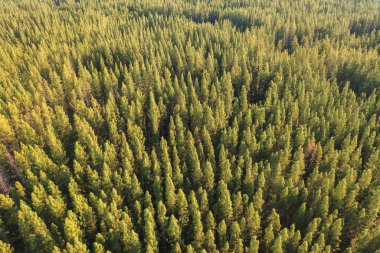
<point x="194" y="126"/>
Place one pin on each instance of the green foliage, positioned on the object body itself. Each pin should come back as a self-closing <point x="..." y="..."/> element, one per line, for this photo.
<point x="189" y="126"/>
<point x="5" y="247"/>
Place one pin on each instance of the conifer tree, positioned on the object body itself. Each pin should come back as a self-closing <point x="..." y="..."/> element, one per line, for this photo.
<point x="5" y="247"/>
<point x="182" y="208"/>
<point x="33" y="229"/>
<point x="224" y="207"/>
<point x="150" y="242"/>
<point x="253" y="245"/>
<point x="224" y="166"/>
<point x="196" y="222"/>
<point x="189" y="126"/>
<point x="174" y="231"/>
<point x="153" y="116"/>
<point x="222" y="236"/>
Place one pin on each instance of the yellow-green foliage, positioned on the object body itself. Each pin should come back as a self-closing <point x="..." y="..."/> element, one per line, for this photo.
<point x="189" y="126"/>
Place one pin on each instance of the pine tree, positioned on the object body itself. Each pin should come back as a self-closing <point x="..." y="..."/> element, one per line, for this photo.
<point x="196" y="223"/>
<point x="253" y="222"/>
<point x="161" y="216"/>
<point x="268" y="238"/>
<point x="224" y="207"/>
<point x="237" y="205"/>
<point x="210" y="222"/>
<point x="174" y="231"/>
<point x="153" y="116"/>
<point x="182" y="208"/>
<point x="33" y="229"/>
<point x="73" y="233"/>
<point x="235" y="241"/>
<point x="208" y="177"/>
<point x="323" y="208"/>
<point x="189" y="249"/>
<point x="5" y="247"/>
<point x="224" y="166"/>
<point x="150" y="239"/>
<point x="274" y="220"/>
<point x="335" y="233"/>
<point x="222" y="237"/>
<point x="339" y="193"/>
<point x="277" y="246"/>
<point x="208" y="126"/>
<point x="210" y="245"/>
<point x="170" y="195"/>
<point x="194" y="163"/>
<point x="253" y="245"/>
<point x="258" y="200"/>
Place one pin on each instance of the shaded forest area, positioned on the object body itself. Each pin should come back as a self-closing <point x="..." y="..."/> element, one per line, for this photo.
<point x="190" y="126"/>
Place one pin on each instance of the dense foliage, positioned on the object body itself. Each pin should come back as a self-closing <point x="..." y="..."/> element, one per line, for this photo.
<point x="189" y="126"/>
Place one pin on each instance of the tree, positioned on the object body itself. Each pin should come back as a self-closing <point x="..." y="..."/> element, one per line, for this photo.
<point x="182" y="209"/>
<point x="274" y="220"/>
<point x="253" y="222"/>
<point x="6" y="132"/>
<point x="222" y="236"/>
<point x="237" y="205"/>
<point x="74" y="234"/>
<point x="189" y="126"/>
<point x="258" y="200"/>
<point x="224" y="207"/>
<point x="189" y="249"/>
<point x="34" y="230"/>
<point x="150" y="239"/>
<point x="335" y="233"/>
<point x="224" y="166"/>
<point x="235" y="241"/>
<point x="339" y="193"/>
<point x="174" y="231"/>
<point x="304" y="247"/>
<point x="170" y="195"/>
<point x="196" y="223"/>
<point x="161" y="216"/>
<point x="210" y="245"/>
<point x="323" y="208"/>
<point x="277" y="246"/>
<point x="5" y="247"/>
<point x="208" y="179"/>
<point x="153" y="116"/>
<point x="194" y="163"/>
<point x="253" y="245"/>
<point x="268" y="238"/>
<point x="368" y="241"/>
<point x="210" y="221"/>
<point x="227" y="91"/>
